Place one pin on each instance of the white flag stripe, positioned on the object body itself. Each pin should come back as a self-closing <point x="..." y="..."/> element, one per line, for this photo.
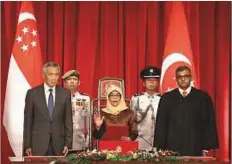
<point x="25" y="15"/>
<point x="16" y="89"/>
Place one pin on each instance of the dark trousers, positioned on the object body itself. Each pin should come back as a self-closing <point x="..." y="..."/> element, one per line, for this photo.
<point x="50" y="151"/>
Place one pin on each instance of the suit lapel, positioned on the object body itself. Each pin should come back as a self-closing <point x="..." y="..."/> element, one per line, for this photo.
<point x="44" y="106"/>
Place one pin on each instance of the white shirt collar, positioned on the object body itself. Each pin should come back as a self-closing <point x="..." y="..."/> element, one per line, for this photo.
<point x="187" y="90"/>
<point x="46" y="88"/>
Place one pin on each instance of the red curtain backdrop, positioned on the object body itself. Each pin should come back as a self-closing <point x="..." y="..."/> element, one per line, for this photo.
<point x="118" y="39"/>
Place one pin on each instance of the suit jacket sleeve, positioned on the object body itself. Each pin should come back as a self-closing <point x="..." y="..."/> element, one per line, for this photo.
<point x="161" y="124"/>
<point x="68" y="123"/>
<point x="28" y="119"/>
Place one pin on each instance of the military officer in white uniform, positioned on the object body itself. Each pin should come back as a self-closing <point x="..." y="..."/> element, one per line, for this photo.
<point x="80" y="110"/>
<point x="145" y="105"/>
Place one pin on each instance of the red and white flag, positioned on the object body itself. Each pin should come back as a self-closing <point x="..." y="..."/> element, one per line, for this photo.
<point x="177" y="50"/>
<point x="25" y="72"/>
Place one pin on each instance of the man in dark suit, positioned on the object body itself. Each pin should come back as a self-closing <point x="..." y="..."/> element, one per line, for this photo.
<point x="48" y="116"/>
<point x="185" y="119"/>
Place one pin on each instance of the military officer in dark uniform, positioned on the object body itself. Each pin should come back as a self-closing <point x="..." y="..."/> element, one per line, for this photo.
<point x="145" y="105"/>
<point x="80" y="110"/>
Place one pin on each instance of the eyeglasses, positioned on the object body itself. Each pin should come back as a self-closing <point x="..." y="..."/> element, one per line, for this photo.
<point x="116" y="95"/>
<point x="183" y="76"/>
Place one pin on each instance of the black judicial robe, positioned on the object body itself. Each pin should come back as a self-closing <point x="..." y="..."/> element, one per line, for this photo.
<point x="186" y="125"/>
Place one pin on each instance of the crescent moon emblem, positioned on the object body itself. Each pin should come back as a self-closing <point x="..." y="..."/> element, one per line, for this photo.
<point x="171" y="59"/>
<point x="25" y="15"/>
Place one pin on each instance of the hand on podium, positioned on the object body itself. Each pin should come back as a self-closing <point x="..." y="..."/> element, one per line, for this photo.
<point x="28" y="152"/>
<point x="205" y="153"/>
<point x="65" y="151"/>
<point x="125" y="138"/>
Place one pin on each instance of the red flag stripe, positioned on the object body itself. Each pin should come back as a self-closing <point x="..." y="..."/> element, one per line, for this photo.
<point x="177" y="49"/>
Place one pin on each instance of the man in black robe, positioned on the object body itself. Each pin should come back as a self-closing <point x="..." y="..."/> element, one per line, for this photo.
<point x="185" y="119"/>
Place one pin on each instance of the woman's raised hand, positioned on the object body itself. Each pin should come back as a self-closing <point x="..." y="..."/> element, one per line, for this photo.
<point x="98" y="120"/>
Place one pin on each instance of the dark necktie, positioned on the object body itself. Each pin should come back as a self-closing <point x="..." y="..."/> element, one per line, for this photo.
<point x="50" y="102"/>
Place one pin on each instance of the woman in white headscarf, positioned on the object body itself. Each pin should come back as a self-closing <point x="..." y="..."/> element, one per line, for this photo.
<point x="115" y="113"/>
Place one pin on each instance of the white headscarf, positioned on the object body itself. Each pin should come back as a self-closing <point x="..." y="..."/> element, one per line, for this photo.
<point x="115" y="110"/>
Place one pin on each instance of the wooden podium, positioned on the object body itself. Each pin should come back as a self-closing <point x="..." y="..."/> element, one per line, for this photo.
<point x="47" y="160"/>
<point x="120" y="146"/>
<point x="35" y="159"/>
<point x="198" y="159"/>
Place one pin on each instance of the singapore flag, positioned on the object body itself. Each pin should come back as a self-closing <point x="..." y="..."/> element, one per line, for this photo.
<point x="177" y="50"/>
<point x="25" y="72"/>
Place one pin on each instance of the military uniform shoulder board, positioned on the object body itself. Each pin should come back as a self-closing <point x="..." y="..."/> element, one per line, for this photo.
<point x="85" y="94"/>
<point x="138" y="94"/>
